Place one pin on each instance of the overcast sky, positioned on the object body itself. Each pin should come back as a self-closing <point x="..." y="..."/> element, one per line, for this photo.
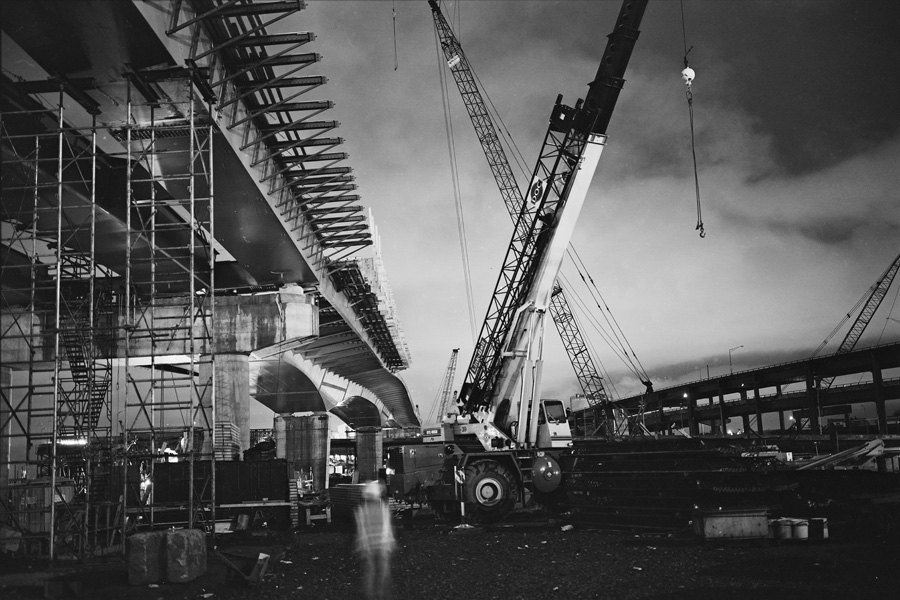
<point x="797" y="111"/>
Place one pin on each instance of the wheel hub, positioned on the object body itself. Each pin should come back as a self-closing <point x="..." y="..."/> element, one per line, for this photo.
<point x="488" y="492"/>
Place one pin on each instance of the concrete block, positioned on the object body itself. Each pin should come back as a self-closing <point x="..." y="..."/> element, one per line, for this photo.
<point x="185" y="555"/>
<point x="146" y="552"/>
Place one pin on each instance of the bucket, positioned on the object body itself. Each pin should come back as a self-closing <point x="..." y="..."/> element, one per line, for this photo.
<point x="799" y="529"/>
<point x="783" y="529"/>
<point x="818" y="529"/>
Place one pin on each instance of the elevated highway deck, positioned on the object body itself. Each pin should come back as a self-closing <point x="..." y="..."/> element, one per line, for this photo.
<point x="775" y="390"/>
<point x="110" y="110"/>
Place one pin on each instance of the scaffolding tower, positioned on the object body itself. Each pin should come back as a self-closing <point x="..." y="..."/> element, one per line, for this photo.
<point x="81" y="321"/>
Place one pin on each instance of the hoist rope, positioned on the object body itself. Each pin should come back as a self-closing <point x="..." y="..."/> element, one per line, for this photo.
<point x="394" y="16"/>
<point x="690" y="100"/>
<point x="592" y="287"/>
<point x="454" y="174"/>
<point x="615" y="345"/>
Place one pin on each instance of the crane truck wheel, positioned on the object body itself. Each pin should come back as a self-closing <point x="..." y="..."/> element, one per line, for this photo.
<point x="490" y="492"/>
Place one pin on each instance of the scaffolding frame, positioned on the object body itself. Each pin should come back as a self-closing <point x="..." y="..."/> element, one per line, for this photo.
<point x="59" y="317"/>
<point x="72" y="450"/>
<point x="169" y="291"/>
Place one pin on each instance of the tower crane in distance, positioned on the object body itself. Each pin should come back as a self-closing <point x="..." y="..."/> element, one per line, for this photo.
<point x="589" y="378"/>
<point x="508" y="450"/>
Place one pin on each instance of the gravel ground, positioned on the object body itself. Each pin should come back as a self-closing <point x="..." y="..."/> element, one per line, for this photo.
<point x="521" y="560"/>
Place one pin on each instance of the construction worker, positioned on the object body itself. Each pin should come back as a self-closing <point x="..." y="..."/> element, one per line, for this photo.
<point x="375" y="541"/>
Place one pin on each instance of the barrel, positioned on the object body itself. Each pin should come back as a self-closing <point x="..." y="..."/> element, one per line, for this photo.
<point x="783" y="529"/>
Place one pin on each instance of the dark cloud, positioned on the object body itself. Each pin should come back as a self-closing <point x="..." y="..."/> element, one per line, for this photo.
<point x="819" y="75"/>
<point x="822" y="230"/>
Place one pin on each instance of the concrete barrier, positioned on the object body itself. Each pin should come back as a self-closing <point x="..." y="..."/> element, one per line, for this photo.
<point x="175" y="556"/>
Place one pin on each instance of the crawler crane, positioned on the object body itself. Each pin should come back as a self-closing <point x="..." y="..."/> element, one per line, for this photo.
<point x="507" y="451"/>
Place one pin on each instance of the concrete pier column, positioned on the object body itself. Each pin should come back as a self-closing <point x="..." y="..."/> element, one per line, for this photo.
<point x="812" y="395"/>
<point x="723" y="418"/>
<point x="368" y="452"/>
<point x="693" y="425"/>
<point x="232" y="389"/>
<point x="758" y="406"/>
<point x="745" y="418"/>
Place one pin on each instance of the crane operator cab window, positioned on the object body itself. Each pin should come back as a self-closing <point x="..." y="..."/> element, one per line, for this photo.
<point x="553" y="426"/>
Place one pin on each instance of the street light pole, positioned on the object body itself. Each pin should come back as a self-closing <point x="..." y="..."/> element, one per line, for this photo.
<point x="730" y="366"/>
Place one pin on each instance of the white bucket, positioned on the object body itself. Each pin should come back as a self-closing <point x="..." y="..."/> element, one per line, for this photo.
<point x="799" y="529"/>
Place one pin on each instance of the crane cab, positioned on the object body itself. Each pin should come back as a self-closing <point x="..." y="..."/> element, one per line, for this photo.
<point x="553" y="425"/>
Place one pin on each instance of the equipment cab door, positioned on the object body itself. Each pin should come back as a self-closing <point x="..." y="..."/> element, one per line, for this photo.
<point x="553" y="426"/>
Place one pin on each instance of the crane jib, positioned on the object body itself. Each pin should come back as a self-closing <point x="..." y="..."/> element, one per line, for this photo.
<point x="608" y="82"/>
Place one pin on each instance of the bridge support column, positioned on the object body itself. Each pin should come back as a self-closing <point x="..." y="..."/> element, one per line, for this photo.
<point x="758" y="405"/>
<point x="232" y="389"/>
<point x="693" y="425"/>
<point x="723" y="418"/>
<point x="812" y="395"/>
<point x="368" y="452"/>
<point x="745" y="418"/>
<point x="880" y="407"/>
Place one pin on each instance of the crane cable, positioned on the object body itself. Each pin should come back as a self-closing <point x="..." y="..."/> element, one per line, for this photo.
<point x="615" y="345"/>
<point x="688" y="75"/>
<point x="454" y="174"/>
<point x="620" y="336"/>
<point x="394" y="17"/>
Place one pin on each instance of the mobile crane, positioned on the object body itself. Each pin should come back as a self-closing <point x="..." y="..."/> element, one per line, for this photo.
<point x="509" y="447"/>
<point x="588" y="376"/>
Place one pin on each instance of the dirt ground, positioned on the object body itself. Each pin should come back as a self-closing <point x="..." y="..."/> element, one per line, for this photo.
<point x="527" y="560"/>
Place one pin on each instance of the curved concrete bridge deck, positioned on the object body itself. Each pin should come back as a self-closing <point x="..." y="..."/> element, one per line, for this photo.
<point x="304" y="319"/>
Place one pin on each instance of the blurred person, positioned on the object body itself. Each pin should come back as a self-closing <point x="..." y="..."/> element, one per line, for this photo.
<point x="375" y="541"/>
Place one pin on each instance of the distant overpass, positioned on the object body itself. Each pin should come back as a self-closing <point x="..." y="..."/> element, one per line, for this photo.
<point x="776" y="389"/>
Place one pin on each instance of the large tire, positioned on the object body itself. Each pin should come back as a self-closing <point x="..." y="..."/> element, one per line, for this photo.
<point x="490" y="491"/>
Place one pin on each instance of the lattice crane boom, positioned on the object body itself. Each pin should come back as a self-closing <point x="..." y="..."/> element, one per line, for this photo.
<point x="878" y="291"/>
<point x="446" y="393"/>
